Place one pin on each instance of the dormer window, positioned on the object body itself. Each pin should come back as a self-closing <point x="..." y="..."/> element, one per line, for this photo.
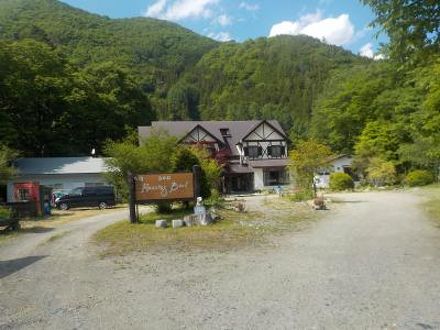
<point x="253" y="151"/>
<point x="276" y="151"/>
<point x="225" y="132"/>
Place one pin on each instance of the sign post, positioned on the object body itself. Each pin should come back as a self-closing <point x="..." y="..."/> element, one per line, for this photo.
<point x="154" y="188"/>
<point x="197" y="173"/>
<point x="132" y="197"/>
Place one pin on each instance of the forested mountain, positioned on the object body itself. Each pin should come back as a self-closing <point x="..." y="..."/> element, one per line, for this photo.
<point x="93" y="64"/>
<point x="155" y="51"/>
<point x="275" y="78"/>
<point x="70" y="80"/>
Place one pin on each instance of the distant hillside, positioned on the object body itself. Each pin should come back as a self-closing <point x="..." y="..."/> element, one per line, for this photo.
<point x="115" y="74"/>
<point x="156" y="51"/>
<point x="276" y="78"/>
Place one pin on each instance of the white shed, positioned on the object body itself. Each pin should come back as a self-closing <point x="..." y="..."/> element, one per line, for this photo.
<point x="338" y="164"/>
<point x="60" y="173"/>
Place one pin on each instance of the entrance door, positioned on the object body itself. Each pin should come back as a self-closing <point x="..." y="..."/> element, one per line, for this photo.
<point x="242" y="183"/>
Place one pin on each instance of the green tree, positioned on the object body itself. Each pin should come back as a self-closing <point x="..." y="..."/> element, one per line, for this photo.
<point x="7" y="155"/>
<point x="33" y="86"/>
<point x="378" y="139"/>
<point x="381" y="172"/>
<point x="413" y="27"/>
<point x="211" y="171"/>
<point x="305" y="160"/>
<point x="154" y="155"/>
<point x="186" y="157"/>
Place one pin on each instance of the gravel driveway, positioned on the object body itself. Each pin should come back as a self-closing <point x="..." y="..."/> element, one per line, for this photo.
<point x="373" y="262"/>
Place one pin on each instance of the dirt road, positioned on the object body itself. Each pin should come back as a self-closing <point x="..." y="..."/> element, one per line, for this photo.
<point x="372" y="263"/>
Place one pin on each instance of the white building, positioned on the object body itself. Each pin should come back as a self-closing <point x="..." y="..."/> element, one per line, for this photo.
<point x="338" y="164"/>
<point x="59" y="173"/>
<point x="253" y="153"/>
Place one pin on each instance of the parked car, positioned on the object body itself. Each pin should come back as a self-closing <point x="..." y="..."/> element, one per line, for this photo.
<point x="102" y="197"/>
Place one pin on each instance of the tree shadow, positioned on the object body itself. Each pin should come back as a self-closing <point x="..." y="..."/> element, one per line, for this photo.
<point x="9" y="267"/>
<point x="36" y="230"/>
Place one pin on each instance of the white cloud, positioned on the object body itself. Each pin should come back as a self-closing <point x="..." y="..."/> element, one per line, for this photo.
<point x="337" y="31"/>
<point x="249" y="6"/>
<point x="367" y="51"/>
<point x="156" y="9"/>
<point x="181" y="9"/>
<point x="224" y="20"/>
<point x="220" y="36"/>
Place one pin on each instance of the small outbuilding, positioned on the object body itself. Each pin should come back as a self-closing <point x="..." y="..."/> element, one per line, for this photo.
<point x="56" y="173"/>
<point x="338" y="164"/>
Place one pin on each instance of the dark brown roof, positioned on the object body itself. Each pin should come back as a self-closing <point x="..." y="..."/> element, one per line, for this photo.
<point x="237" y="129"/>
<point x="269" y="162"/>
<point x="240" y="169"/>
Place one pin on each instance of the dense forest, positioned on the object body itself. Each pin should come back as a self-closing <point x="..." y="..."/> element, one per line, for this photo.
<point x="70" y="80"/>
<point x="106" y="76"/>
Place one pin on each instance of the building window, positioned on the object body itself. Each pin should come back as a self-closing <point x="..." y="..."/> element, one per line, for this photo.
<point x="276" y="151"/>
<point x="210" y="149"/>
<point x="23" y="194"/>
<point x="225" y="132"/>
<point x="275" y="177"/>
<point x="253" y="151"/>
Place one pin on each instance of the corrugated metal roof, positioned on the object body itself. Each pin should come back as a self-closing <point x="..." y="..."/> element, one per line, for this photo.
<point x="60" y="165"/>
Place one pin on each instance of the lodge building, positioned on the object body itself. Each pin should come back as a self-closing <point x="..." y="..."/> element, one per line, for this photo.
<point x="253" y="153"/>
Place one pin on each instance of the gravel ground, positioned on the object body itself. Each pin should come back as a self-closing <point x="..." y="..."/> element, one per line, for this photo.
<point x="373" y="262"/>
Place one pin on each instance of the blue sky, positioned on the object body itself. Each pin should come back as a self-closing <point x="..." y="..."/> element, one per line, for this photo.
<point x="339" y="22"/>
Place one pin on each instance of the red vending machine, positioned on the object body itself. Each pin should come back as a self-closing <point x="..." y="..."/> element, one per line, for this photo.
<point x="28" y="192"/>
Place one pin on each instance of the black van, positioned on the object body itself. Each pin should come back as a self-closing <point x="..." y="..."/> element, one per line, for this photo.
<point x="101" y="196"/>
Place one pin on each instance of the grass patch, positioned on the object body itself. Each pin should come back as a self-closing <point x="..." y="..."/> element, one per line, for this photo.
<point x="235" y="230"/>
<point x="6" y="235"/>
<point x="432" y="204"/>
<point x="122" y="238"/>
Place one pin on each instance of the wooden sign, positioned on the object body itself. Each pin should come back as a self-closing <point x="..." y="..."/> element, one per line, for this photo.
<point x="158" y="187"/>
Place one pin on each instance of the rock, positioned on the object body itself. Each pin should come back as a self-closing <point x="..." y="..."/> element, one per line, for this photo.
<point x="178" y="223"/>
<point x="161" y="224"/>
<point x="204" y="219"/>
<point x="214" y="216"/>
<point x="190" y="220"/>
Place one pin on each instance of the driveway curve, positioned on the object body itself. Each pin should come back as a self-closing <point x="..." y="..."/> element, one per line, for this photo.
<point x="373" y="262"/>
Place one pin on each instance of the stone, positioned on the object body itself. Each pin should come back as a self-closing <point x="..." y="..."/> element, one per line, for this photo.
<point x="205" y="219"/>
<point x="214" y="216"/>
<point x="161" y="224"/>
<point x="190" y="220"/>
<point x="177" y="223"/>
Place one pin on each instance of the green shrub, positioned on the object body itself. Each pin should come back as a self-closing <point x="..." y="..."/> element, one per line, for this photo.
<point x="419" y="178"/>
<point x="164" y="207"/>
<point x="341" y="181"/>
<point x="215" y="200"/>
<point x="4" y="212"/>
<point x="381" y="172"/>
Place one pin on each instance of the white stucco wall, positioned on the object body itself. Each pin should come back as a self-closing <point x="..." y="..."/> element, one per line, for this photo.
<point x="339" y="164"/>
<point x="67" y="181"/>
<point x="258" y="179"/>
